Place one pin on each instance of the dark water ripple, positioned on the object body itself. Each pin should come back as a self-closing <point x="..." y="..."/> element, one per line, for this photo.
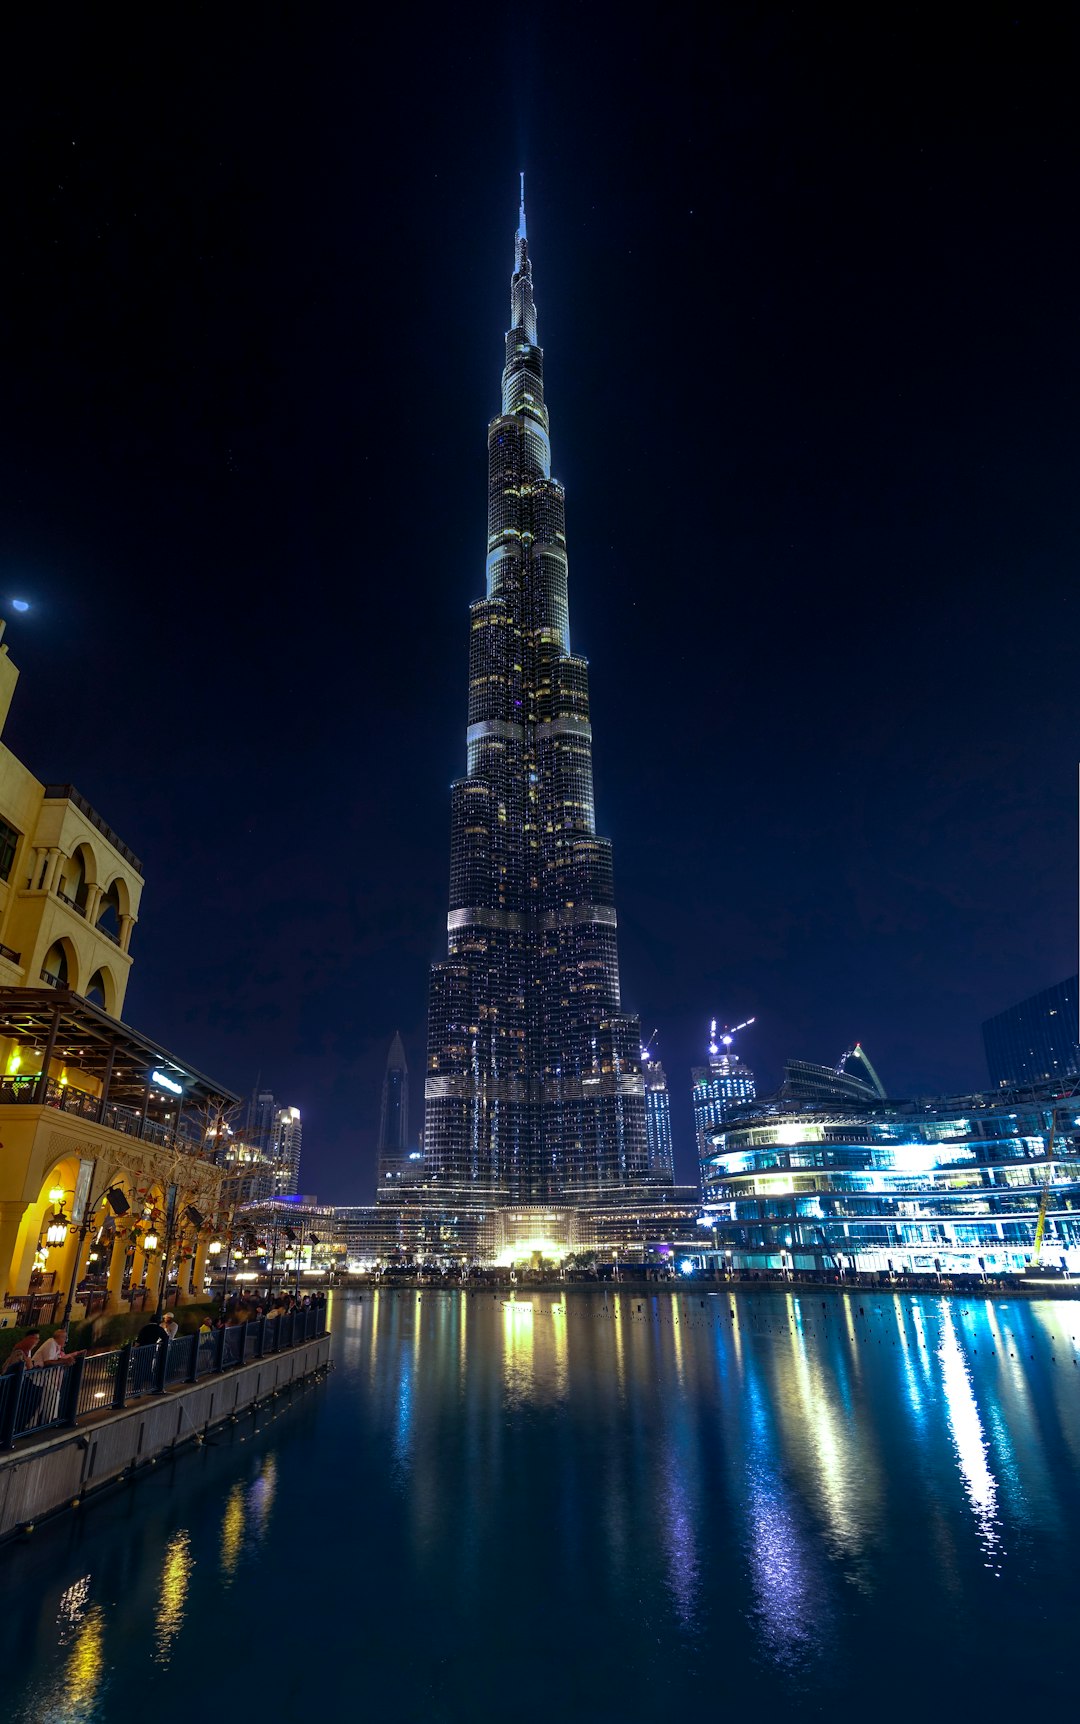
<point x="593" y="1506"/>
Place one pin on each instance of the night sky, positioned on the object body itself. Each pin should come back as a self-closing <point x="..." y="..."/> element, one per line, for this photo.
<point x="807" y="290"/>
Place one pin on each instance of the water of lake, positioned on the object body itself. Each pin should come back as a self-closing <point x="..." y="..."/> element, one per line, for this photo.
<point x="592" y="1505"/>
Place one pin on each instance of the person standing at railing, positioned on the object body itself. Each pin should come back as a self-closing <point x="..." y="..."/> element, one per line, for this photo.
<point x="52" y="1354"/>
<point x="19" y="1357"/>
<point x="17" y="1364"/>
<point x="52" y="1351"/>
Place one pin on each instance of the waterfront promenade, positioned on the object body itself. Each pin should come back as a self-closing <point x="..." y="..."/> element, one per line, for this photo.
<point x="68" y="1430"/>
<point x="633" y="1278"/>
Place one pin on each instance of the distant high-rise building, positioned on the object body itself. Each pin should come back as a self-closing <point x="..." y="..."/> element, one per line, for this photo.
<point x="719" y="1086"/>
<point x="657" y="1118"/>
<point x="533" y="1086"/>
<point x="1035" y="1039"/>
<point x="393" y="1145"/>
<point x="259" y="1127"/>
<point x="285" y="1145"/>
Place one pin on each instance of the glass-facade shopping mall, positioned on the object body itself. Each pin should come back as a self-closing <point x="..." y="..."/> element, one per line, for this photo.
<point x="954" y="1185"/>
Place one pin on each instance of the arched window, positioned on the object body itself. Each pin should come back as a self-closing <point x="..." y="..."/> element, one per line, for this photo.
<point x="77" y="873"/>
<point x="108" y="921"/>
<point x="97" y="991"/>
<point x="54" y="970"/>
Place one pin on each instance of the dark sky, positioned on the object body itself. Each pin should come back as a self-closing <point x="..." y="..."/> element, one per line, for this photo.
<point x="807" y="287"/>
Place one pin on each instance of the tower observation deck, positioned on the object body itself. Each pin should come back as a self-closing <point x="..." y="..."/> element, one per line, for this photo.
<point x="533" y="1087"/>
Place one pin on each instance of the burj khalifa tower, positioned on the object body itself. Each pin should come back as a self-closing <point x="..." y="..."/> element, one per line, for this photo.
<point x="534" y="1090"/>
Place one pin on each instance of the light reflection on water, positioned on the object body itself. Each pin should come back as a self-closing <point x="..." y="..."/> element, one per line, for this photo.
<point x="656" y="1491"/>
<point x="968" y="1438"/>
<point x="175" y="1579"/>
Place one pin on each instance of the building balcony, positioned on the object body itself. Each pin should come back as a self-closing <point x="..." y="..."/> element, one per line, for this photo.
<point x="176" y="1134"/>
<point x="68" y="793"/>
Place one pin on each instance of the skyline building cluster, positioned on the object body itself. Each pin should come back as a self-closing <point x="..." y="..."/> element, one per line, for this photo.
<point x="262" y="1159"/>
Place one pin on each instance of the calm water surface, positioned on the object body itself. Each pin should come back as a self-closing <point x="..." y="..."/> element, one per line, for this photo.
<point x="593" y="1506"/>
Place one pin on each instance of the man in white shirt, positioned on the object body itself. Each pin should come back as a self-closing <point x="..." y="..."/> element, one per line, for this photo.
<point x="52" y="1351"/>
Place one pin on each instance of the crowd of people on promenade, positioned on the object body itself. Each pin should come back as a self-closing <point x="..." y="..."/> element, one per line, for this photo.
<point x="31" y="1352"/>
<point x="251" y="1307"/>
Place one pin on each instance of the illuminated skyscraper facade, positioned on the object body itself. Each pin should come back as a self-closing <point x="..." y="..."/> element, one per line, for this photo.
<point x="533" y="1087"/>
<point x="719" y="1087"/>
<point x="285" y="1143"/>
<point x="658" y="1119"/>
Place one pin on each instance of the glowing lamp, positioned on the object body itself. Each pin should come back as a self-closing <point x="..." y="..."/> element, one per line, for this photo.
<point x="56" y="1196"/>
<point x="214" y="1247"/>
<point x="56" y="1232"/>
<point x="150" y="1243"/>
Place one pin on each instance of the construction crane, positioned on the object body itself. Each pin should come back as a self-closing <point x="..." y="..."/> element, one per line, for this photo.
<point x="646" y="1047"/>
<point x="727" y="1035"/>
<point x="1044" y="1200"/>
<point x="858" y="1052"/>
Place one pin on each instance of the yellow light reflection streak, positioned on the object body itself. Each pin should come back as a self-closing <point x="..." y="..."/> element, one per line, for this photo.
<point x="558" y="1330"/>
<point x="518" y="1341"/>
<point x="175" y="1579"/>
<point x="620" y="1357"/>
<point x="232" y="1531"/>
<point x="677" y="1337"/>
<point x="843" y="1472"/>
<point x="83" y="1672"/>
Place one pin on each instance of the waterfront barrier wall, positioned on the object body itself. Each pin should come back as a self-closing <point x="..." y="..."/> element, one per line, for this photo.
<point x="56" y="1467"/>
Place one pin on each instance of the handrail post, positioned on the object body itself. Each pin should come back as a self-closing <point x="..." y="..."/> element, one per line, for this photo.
<point x="69" y="1394"/>
<point x="193" y="1368"/>
<point x="9" y="1401"/>
<point x="219" y="1349"/>
<point x="161" y="1366"/>
<point x="123" y="1365"/>
<point x="260" y="1337"/>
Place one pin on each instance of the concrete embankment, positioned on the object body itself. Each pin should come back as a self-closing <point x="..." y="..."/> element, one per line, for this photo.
<point x="39" y="1479"/>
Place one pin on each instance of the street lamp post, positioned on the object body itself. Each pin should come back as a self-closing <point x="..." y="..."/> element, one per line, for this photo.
<point x="59" y="1226"/>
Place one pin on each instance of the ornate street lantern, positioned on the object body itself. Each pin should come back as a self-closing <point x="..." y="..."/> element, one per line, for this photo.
<point x="56" y="1232"/>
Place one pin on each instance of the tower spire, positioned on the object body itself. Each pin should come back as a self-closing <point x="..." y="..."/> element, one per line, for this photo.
<point x="521" y="233"/>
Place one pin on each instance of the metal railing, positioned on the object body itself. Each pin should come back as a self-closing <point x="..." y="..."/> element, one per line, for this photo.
<point x="33" y="1308"/>
<point x="43" y="1397"/>
<point x="129" y="1120"/>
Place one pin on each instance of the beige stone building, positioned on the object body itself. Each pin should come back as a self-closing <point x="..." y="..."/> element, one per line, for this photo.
<point x="107" y="1181"/>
